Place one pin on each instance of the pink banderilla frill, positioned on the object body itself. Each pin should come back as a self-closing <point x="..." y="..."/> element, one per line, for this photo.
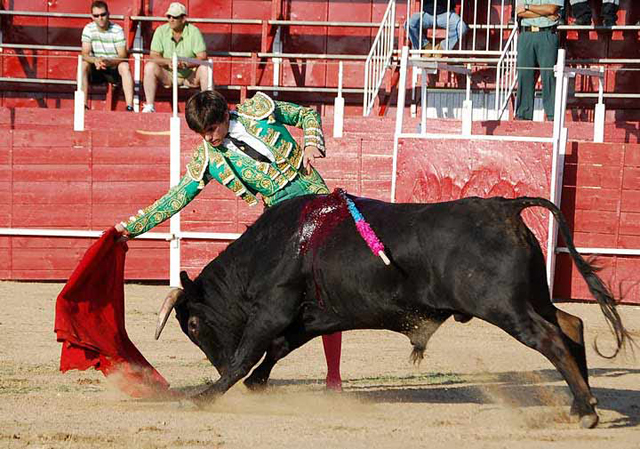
<point x="365" y="230"/>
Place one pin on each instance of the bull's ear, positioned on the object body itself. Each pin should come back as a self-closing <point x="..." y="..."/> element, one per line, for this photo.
<point x="184" y="278"/>
<point x="187" y="284"/>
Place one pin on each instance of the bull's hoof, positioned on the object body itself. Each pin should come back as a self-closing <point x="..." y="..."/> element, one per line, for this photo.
<point x="185" y="404"/>
<point x="576" y="411"/>
<point x="207" y="397"/>
<point x="589" y="421"/>
<point x="462" y="318"/>
<point x="255" y="385"/>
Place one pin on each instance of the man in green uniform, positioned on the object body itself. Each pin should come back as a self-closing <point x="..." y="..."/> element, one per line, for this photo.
<point x="251" y="152"/>
<point x="537" y="47"/>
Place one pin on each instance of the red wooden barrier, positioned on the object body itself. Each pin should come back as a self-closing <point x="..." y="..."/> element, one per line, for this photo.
<point x="51" y="177"/>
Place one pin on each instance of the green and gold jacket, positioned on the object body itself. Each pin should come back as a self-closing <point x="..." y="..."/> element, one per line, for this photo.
<point x="264" y="119"/>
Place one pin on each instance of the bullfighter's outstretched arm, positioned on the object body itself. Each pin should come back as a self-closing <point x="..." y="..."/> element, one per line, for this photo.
<point x="305" y="118"/>
<point x="164" y="208"/>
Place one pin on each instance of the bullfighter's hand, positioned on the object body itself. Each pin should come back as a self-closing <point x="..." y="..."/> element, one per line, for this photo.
<point x="310" y="153"/>
<point x="124" y="234"/>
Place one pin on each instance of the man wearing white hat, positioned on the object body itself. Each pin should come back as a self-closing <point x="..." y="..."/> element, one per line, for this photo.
<point x="184" y="39"/>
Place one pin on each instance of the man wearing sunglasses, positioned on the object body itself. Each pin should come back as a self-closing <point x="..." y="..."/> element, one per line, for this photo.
<point x="184" y="39"/>
<point x="105" y="58"/>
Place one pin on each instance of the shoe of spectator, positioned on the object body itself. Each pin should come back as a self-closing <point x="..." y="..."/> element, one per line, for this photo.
<point x="148" y="108"/>
<point x="428" y="46"/>
<point x="130" y="108"/>
<point x="582" y="13"/>
<point x="609" y="14"/>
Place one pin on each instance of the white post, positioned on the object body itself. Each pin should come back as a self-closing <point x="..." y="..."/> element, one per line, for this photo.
<point x="552" y="242"/>
<point x="277" y="62"/>
<point x="402" y="88"/>
<point x="174" y="224"/>
<point x="78" y="100"/>
<point x="137" y="68"/>
<point x="210" y="75"/>
<point x="338" y="107"/>
<point x="467" y="108"/>
<point x="414" y="82"/>
<point x="598" y="120"/>
<point x="423" y="102"/>
<point x="174" y="63"/>
<point x="557" y="165"/>
<point x="138" y="44"/>
<point x="559" y="95"/>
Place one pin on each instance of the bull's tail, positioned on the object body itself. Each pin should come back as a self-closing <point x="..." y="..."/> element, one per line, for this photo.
<point x="598" y="289"/>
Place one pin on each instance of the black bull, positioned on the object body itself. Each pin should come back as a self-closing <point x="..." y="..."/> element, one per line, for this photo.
<point x="302" y="270"/>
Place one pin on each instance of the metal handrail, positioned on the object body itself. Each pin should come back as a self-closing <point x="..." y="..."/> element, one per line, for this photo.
<point x="199" y="20"/>
<point x="354" y="90"/>
<point x="379" y="58"/>
<point x="40" y="47"/>
<point x="37" y="80"/>
<point x="506" y="68"/>
<point x="63" y="15"/>
<point x="324" y="23"/>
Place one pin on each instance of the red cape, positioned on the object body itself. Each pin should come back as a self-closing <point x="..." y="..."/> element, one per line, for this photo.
<point x="90" y="321"/>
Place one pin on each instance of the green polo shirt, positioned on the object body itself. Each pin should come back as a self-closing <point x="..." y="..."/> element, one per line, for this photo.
<point x="541" y="22"/>
<point x="191" y="43"/>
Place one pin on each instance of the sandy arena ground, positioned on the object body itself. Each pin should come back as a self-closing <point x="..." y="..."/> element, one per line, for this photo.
<point x="477" y="388"/>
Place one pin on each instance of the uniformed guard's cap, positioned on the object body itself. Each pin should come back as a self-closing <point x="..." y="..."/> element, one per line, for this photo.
<point x="176" y="9"/>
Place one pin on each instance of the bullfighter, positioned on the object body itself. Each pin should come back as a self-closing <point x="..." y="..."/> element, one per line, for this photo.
<point x="251" y="152"/>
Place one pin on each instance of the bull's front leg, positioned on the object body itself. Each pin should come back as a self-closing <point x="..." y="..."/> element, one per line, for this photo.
<point x="245" y="358"/>
<point x="279" y="348"/>
<point x="258" y="335"/>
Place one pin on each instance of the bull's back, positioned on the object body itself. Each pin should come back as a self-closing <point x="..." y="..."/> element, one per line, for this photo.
<point x="442" y="255"/>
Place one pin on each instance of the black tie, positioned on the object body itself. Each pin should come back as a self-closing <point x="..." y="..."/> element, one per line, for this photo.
<point x="248" y="150"/>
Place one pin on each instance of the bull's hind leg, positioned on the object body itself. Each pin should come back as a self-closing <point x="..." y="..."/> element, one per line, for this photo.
<point x="572" y="330"/>
<point x="573" y="333"/>
<point x="538" y="333"/>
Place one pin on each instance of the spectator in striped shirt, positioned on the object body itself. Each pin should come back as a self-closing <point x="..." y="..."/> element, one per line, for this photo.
<point x="105" y="57"/>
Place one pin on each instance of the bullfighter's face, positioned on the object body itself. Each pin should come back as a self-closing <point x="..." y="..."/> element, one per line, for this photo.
<point x="217" y="132"/>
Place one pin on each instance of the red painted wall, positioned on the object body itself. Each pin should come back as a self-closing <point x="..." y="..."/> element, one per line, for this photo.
<point x="51" y="177"/>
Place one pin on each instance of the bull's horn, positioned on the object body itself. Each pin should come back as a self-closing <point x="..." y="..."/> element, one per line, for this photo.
<point x="173" y="298"/>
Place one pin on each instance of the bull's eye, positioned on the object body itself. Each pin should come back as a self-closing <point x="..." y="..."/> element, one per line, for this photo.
<point x="193" y="326"/>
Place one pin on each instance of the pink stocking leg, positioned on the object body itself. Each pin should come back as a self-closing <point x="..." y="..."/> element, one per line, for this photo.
<point x="332" y="348"/>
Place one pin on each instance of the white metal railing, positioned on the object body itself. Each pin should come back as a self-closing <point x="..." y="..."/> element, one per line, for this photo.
<point x="379" y="58"/>
<point x="478" y="38"/>
<point x="506" y="73"/>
